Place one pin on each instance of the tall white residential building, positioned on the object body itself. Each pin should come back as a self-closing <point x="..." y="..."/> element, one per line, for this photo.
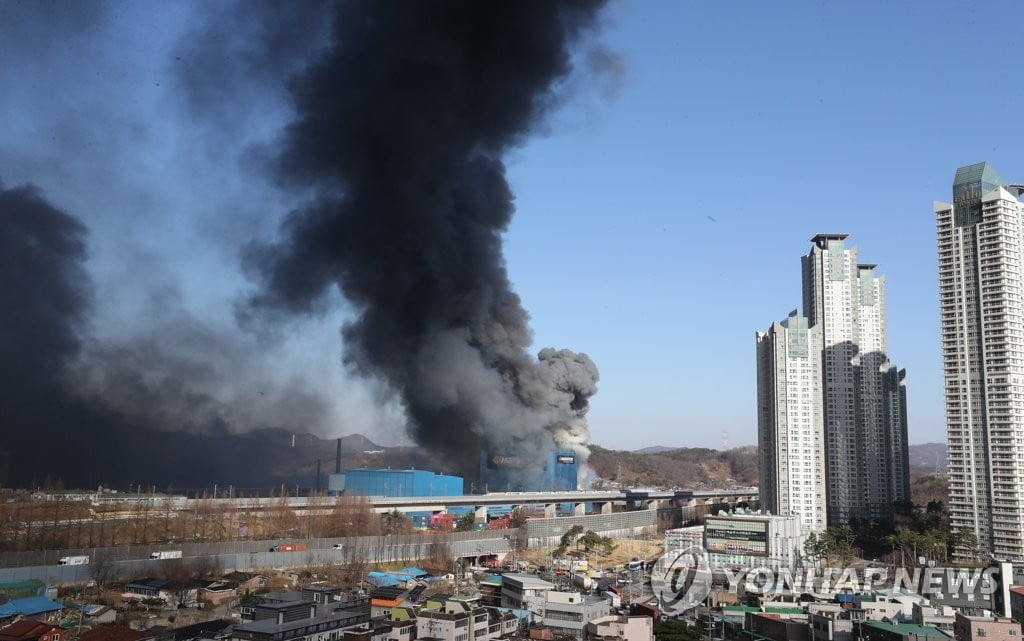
<point x="864" y="395"/>
<point x="981" y="284"/>
<point x="790" y="426"/>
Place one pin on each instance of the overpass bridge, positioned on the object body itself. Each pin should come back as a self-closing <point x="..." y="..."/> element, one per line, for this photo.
<point x="603" y="501"/>
<point x="642" y="514"/>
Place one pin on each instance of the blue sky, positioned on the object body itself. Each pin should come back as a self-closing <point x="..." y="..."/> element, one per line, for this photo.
<point x="777" y="121"/>
<point x="662" y="210"/>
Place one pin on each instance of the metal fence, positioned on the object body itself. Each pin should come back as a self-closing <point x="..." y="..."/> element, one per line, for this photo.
<point x="256" y="555"/>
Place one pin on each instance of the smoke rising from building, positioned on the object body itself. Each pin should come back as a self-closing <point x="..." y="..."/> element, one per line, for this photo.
<point x="402" y="123"/>
<point x="124" y="371"/>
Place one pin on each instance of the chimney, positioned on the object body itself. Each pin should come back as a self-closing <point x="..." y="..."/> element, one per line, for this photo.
<point x="337" y="459"/>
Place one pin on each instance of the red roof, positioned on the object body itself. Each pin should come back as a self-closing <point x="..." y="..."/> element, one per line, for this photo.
<point x="25" y="630"/>
<point x="114" y="633"/>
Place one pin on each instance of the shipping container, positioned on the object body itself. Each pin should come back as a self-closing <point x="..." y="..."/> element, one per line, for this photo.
<point x="289" y="547"/>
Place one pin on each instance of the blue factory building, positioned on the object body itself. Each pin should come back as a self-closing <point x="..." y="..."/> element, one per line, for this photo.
<point x="402" y="483"/>
<point x="558" y="472"/>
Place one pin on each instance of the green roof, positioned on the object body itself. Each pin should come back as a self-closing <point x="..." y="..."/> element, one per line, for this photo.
<point x="910" y="628"/>
<point x="21" y="589"/>
<point x="784" y="610"/>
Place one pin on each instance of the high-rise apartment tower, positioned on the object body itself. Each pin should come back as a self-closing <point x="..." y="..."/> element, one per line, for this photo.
<point x="864" y="395"/>
<point x="981" y="284"/>
<point x="844" y="401"/>
<point x="791" y="436"/>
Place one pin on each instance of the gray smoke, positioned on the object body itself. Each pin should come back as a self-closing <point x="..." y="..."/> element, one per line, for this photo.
<point x="402" y="123"/>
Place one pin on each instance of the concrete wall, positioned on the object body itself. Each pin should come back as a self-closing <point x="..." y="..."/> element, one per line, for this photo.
<point x="133" y="561"/>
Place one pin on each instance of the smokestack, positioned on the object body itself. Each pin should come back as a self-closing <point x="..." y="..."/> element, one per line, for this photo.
<point x="404" y="160"/>
<point x="337" y="458"/>
<point x="318" y="475"/>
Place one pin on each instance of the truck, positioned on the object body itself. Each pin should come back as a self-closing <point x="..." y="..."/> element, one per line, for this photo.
<point x="73" y="560"/>
<point x="289" y="547"/>
<point x="166" y="554"/>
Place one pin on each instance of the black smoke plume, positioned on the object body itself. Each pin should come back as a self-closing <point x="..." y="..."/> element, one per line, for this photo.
<point x="402" y="123"/>
<point x="50" y="430"/>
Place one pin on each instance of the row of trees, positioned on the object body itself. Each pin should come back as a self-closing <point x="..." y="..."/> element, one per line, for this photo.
<point x="28" y="523"/>
<point x="914" y="533"/>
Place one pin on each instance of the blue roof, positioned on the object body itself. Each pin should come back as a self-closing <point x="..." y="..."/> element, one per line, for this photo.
<point x="413" y="570"/>
<point x="381" y="579"/>
<point x="29" y="606"/>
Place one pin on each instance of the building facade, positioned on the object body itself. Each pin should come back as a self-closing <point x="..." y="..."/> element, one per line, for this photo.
<point x="790" y="426"/>
<point x="553" y="470"/>
<point x="864" y="399"/>
<point x="981" y="283"/>
<point x="754" y="540"/>
<point x="402" y="483"/>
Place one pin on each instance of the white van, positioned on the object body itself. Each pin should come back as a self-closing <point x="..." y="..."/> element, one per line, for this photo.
<point x="73" y="560"/>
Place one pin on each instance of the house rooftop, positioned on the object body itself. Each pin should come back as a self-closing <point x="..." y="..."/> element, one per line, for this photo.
<point x="25" y="629"/>
<point x="29" y="606"/>
<point x="114" y="633"/>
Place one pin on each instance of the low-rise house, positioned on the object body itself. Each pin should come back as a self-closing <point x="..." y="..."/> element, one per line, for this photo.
<point x="321" y="593"/>
<point x="622" y="627"/>
<point x="568" y="613"/>
<point x="245" y="582"/>
<point x="116" y="633"/>
<point x="27" y="630"/>
<point x="937" y="616"/>
<point x="490" y="590"/>
<point x="203" y="630"/>
<point x="181" y="594"/>
<point x="777" y="626"/>
<point x="35" y="608"/>
<point x="383" y="600"/>
<point x="218" y="593"/>
<point x="830" y="622"/>
<point x="882" y="631"/>
<point x="318" y="622"/>
<point x="457" y="619"/>
<point x="990" y="628"/>
<point x="524" y="592"/>
<point x="97" y="614"/>
<point x="381" y="630"/>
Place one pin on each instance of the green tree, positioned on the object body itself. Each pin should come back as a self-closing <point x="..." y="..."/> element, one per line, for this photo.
<point x="395" y="522"/>
<point x="568" y="539"/>
<point x="815" y="547"/>
<point x="518" y="519"/>
<point x="466" y="522"/>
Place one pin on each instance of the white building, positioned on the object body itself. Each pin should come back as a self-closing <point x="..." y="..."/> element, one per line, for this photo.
<point x="754" y="541"/>
<point x="568" y="613"/>
<point x="684" y="537"/>
<point x="524" y="592"/>
<point x="621" y="628"/>
<point x="981" y="284"/>
<point x="791" y="437"/>
<point x="864" y="397"/>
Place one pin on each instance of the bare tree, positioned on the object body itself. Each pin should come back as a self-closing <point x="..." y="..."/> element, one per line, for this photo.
<point x="102" y="571"/>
